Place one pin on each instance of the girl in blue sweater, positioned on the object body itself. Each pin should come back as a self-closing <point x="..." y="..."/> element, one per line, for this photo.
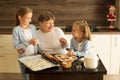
<point x="80" y="43"/>
<point x="24" y="36"/>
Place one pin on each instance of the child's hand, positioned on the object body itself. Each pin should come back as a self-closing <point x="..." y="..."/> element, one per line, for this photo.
<point x="70" y="53"/>
<point x="33" y="41"/>
<point x="20" y="51"/>
<point x="63" y="41"/>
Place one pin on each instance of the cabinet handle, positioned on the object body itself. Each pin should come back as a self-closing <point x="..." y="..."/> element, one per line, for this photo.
<point x="2" y="56"/>
<point x="115" y="41"/>
<point x="1" y="36"/>
<point x="1" y="46"/>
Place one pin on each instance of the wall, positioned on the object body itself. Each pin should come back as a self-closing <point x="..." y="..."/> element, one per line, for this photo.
<point x="118" y="14"/>
<point x="65" y="11"/>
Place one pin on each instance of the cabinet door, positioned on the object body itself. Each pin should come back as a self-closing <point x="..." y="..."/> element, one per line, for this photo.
<point x="6" y="45"/>
<point x="69" y="36"/>
<point x="9" y="64"/>
<point x="8" y="55"/>
<point x="115" y="54"/>
<point x="100" y="44"/>
<point x="5" y="38"/>
<point x="7" y="49"/>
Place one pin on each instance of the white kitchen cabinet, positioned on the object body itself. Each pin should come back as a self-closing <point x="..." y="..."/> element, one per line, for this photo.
<point x="115" y="54"/>
<point x="100" y="44"/>
<point x="8" y="55"/>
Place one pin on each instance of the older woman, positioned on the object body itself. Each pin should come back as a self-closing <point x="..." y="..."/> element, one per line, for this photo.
<point x="50" y="39"/>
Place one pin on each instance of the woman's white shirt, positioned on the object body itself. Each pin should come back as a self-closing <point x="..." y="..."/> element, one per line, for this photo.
<point x="49" y="42"/>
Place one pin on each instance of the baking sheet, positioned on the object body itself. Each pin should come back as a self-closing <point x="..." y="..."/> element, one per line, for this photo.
<point x="37" y="63"/>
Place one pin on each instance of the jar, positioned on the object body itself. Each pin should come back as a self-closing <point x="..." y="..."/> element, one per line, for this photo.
<point x="91" y="61"/>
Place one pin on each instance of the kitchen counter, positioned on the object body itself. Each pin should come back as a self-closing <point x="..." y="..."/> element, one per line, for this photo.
<point x="8" y="30"/>
<point x="77" y="71"/>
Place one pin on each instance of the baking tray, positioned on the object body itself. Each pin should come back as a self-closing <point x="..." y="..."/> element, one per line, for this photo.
<point x="37" y="63"/>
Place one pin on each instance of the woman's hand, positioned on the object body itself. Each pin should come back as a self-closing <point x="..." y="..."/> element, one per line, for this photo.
<point x="63" y="41"/>
<point x="33" y="41"/>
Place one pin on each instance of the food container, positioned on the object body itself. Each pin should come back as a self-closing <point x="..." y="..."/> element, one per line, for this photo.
<point x="91" y="61"/>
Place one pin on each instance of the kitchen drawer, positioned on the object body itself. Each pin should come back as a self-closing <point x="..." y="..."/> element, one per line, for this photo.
<point x="9" y="64"/>
<point x="6" y="43"/>
<point x="7" y="50"/>
<point x="5" y="39"/>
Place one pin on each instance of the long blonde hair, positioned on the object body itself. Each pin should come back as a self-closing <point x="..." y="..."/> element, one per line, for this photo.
<point x="84" y="27"/>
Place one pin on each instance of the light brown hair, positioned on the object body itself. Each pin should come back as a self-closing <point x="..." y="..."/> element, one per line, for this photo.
<point x="21" y="12"/>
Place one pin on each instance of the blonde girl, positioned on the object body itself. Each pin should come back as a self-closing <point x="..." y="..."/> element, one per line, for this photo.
<point x="80" y="43"/>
